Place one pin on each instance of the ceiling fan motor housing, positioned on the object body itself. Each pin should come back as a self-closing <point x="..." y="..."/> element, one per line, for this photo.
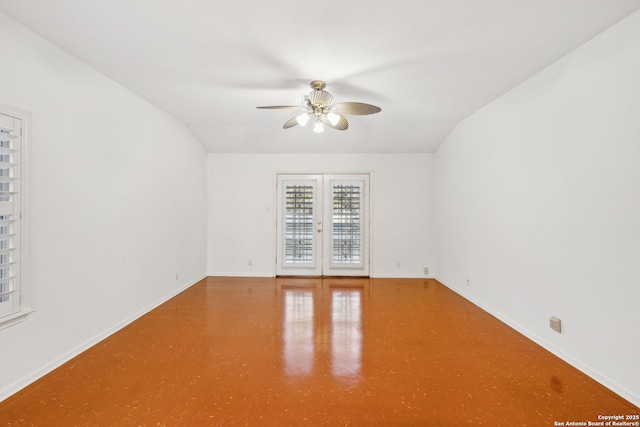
<point x="320" y="98"/>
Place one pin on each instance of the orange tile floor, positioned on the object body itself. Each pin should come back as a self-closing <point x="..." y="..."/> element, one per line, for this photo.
<point x="336" y="352"/>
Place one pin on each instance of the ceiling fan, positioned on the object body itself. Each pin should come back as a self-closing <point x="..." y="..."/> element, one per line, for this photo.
<point x="320" y="109"/>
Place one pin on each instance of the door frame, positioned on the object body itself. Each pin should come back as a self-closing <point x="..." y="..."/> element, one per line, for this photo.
<point x="367" y="234"/>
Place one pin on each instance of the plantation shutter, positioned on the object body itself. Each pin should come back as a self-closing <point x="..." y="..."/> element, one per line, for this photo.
<point x="298" y="223"/>
<point x="10" y="145"/>
<point x="347" y="223"/>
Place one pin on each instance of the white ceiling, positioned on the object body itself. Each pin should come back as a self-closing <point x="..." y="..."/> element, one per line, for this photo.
<point x="427" y="63"/>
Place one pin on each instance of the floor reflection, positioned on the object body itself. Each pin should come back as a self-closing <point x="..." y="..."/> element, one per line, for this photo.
<point x="346" y="333"/>
<point x="322" y="329"/>
<point x="298" y="332"/>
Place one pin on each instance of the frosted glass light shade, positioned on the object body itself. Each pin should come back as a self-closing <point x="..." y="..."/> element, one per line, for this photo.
<point x="302" y="119"/>
<point x="333" y="118"/>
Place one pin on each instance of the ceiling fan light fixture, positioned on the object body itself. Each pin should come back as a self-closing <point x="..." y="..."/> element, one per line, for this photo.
<point x="302" y="119"/>
<point x="319" y="105"/>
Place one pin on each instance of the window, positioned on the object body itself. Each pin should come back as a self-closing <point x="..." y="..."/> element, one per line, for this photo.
<point x="15" y="302"/>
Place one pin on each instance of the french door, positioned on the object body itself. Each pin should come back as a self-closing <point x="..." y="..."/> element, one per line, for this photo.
<point x="323" y="225"/>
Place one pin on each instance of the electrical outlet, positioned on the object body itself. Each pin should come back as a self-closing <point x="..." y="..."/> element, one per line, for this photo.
<point x="397" y="263"/>
<point x="249" y="262"/>
<point x="468" y="282"/>
<point x="555" y="324"/>
<point x="426" y="270"/>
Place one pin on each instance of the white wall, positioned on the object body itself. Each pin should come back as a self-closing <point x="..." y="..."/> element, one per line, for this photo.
<point x="118" y="205"/>
<point x="242" y="209"/>
<point x="538" y="205"/>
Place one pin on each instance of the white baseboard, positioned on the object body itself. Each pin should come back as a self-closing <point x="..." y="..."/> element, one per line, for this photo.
<point x="400" y="276"/>
<point x="243" y="274"/>
<point x="13" y="388"/>
<point x="373" y="276"/>
<point x="571" y="360"/>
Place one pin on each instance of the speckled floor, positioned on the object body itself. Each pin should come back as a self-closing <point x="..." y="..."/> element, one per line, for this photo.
<point x="362" y="352"/>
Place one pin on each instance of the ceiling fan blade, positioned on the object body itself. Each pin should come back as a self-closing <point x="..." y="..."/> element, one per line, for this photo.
<point x="357" y="108"/>
<point x="290" y="123"/>
<point x="281" y="107"/>
<point x="342" y="123"/>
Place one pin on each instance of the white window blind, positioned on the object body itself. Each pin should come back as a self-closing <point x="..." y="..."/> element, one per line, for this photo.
<point x="13" y="302"/>
<point x="346" y="223"/>
<point x="298" y="217"/>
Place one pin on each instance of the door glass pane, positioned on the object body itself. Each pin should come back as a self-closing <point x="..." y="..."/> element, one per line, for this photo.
<point x="346" y="246"/>
<point x="298" y="224"/>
